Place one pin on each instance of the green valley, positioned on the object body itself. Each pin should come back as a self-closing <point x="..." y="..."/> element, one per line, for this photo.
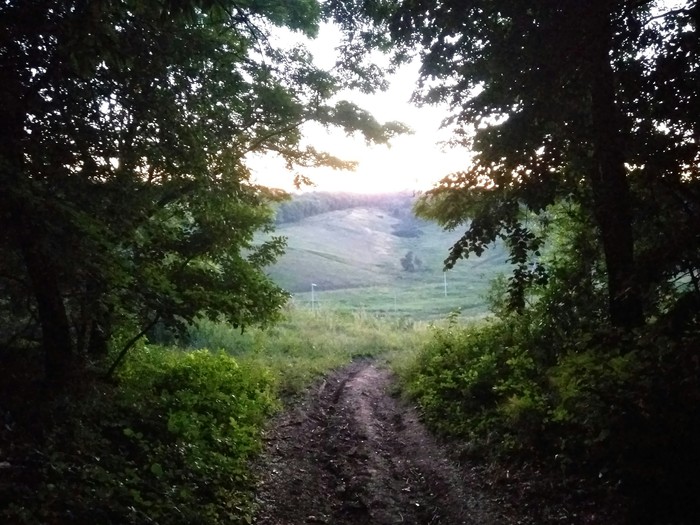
<point x="377" y="257"/>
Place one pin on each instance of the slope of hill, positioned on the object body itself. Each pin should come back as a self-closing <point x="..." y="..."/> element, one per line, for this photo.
<point x="381" y="261"/>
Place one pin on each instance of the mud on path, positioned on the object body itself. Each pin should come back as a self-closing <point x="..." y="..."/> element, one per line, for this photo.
<point x="353" y="454"/>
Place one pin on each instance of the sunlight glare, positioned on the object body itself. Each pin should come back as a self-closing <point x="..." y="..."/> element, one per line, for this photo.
<point x="411" y="162"/>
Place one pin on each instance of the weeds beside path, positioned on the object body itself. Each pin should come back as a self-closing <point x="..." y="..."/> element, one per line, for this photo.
<point x="350" y="453"/>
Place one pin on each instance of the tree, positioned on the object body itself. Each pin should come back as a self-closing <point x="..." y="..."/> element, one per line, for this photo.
<point x="124" y="191"/>
<point x="556" y="99"/>
<point x="407" y="262"/>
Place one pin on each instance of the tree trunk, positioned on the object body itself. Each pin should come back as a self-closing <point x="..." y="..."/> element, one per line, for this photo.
<point x="611" y="191"/>
<point x="17" y="218"/>
<point x="55" y="327"/>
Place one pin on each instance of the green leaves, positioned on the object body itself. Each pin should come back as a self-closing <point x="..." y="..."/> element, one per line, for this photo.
<point x="157" y="470"/>
<point x="170" y="443"/>
<point x="129" y="127"/>
<point x="556" y="102"/>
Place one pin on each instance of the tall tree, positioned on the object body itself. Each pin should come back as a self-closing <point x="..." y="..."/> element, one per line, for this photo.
<point x="124" y="190"/>
<point x="556" y="99"/>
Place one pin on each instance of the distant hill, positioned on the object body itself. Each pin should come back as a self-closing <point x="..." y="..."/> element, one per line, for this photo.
<point x="376" y="256"/>
<point x="308" y="205"/>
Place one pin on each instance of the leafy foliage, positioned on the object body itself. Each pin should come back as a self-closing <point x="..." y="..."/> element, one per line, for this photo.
<point x="170" y="445"/>
<point x="125" y="194"/>
<point x="564" y="101"/>
<point x="586" y="167"/>
<point x="471" y="382"/>
<point x="549" y="387"/>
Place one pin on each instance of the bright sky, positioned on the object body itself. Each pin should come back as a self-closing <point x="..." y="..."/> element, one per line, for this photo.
<point x="413" y="162"/>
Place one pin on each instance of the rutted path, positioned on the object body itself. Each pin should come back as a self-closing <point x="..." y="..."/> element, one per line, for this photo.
<point x="353" y="454"/>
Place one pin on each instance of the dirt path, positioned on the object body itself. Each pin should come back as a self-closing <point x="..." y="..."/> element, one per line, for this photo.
<point x="353" y="454"/>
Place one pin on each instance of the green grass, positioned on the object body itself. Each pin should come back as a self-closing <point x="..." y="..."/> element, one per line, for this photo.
<point x="307" y="344"/>
<point x="355" y="260"/>
<point x="424" y="301"/>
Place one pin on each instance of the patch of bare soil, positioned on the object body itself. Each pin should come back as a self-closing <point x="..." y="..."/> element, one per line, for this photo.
<point x="350" y="453"/>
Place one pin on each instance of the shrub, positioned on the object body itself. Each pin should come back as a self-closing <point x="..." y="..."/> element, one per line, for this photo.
<point x="620" y="409"/>
<point x="476" y="383"/>
<point x="209" y="411"/>
<point x="169" y="445"/>
<point x="592" y="391"/>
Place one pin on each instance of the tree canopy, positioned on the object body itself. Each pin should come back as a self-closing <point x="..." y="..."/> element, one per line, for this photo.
<point x="125" y="197"/>
<point x="582" y="101"/>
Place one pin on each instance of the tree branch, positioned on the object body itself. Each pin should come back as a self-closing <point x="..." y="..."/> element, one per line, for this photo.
<point x="130" y="343"/>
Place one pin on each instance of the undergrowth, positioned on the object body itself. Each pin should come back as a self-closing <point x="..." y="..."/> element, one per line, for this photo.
<point x="306" y="344"/>
<point x="170" y="444"/>
<point x="169" y="441"/>
<point x="619" y="410"/>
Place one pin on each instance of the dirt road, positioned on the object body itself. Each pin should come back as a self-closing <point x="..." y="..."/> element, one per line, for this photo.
<point x="353" y="454"/>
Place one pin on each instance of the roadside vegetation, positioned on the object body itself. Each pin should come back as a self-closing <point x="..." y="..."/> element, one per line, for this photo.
<point x="170" y="439"/>
<point x="594" y="412"/>
<point x="552" y="387"/>
<point x="169" y="444"/>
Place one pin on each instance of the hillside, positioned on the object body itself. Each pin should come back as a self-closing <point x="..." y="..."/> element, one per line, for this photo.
<point x="381" y="260"/>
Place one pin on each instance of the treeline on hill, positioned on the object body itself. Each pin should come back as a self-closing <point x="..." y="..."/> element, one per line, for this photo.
<point x="302" y="206"/>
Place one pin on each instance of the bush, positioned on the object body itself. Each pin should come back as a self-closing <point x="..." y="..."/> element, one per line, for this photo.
<point x="617" y="409"/>
<point x="210" y="411"/>
<point x="476" y="383"/>
<point x="169" y="445"/>
<point x="592" y="392"/>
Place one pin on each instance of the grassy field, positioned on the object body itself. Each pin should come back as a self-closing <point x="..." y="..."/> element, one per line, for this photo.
<point x="354" y="258"/>
<point x="306" y="344"/>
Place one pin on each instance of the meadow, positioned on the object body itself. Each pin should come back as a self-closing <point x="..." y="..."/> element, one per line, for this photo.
<point x="357" y="260"/>
<point x="305" y="344"/>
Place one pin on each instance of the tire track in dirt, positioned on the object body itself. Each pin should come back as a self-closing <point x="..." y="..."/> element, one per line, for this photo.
<point x="350" y="453"/>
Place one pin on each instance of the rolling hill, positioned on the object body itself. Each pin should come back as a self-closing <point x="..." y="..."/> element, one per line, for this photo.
<point x="381" y="260"/>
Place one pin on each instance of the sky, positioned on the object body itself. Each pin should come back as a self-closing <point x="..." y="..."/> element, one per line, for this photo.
<point x="412" y="162"/>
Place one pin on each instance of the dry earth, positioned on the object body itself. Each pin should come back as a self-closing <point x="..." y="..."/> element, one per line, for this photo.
<point x="351" y="453"/>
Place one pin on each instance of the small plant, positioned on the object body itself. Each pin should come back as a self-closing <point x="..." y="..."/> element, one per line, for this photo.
<point x="169" y="444"/>
<point x="474" y="381"/>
